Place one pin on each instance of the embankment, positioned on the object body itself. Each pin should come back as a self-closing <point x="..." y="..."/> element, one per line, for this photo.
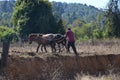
<point x="59" y="67"/>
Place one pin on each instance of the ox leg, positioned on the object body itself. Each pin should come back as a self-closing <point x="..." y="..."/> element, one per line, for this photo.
<point x="37" y="48"/>
<point x="42" y="48"/>
<point x="59" y="48"/>
<point x="45" y="48"/>
<point x="53" y="47"/>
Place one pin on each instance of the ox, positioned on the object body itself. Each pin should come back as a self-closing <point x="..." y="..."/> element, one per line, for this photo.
<point x="48" y="39"/>
<point x="60" y="40"/>
<point x="42" y="40"/>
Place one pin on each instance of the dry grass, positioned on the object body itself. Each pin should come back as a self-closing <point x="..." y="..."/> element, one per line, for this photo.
<point x="100" y="47"/>
<point x="101" y="77"/>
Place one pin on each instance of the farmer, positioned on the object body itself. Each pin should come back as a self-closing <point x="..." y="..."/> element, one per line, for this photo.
<point x="70" y="41"/>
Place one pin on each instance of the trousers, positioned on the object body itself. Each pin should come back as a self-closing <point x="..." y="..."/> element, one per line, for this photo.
<point x="71" y="44"/>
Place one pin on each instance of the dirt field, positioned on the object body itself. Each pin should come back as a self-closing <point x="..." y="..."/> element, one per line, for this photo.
<point x="102" y="58"/>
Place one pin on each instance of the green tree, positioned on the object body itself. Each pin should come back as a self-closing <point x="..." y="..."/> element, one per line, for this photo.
<point x="34" y="16"/>
<point x="87" y="29"/>
<point x="61" y="27"/>
<point x="78" y="32"/>
<point x="97" y="33"/>
<point x="84" y="32"/>
<point x="113" y="15"/>
<point x="78" y="22"/>
<point x="6" y="36"/>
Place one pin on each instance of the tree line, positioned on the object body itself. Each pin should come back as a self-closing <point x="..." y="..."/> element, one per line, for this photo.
<point x="67" y="11"/>
<point x="63" y="15"/>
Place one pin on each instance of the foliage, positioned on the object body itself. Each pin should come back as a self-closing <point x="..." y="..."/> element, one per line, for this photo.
<point x="7" y="34"/>
<point x="73" y="11"/>
<point x="78" y="32"/>
<point x="89" y="31"/>
<point x="67" y="11"/>
<point x="98" y="34"/>
<point x="78" y="22"/>
<point x="61" y="27"/>
<point x="83" y="32"/>
<point x="113" y="18"/>
<point x="34" y="17"/>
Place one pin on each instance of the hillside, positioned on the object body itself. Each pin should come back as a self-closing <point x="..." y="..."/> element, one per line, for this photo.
<point x="72" y="11"/>
<point x="69" y="12"/>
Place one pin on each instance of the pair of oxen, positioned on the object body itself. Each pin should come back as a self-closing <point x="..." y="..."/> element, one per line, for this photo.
<point x="43" y="40"/>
